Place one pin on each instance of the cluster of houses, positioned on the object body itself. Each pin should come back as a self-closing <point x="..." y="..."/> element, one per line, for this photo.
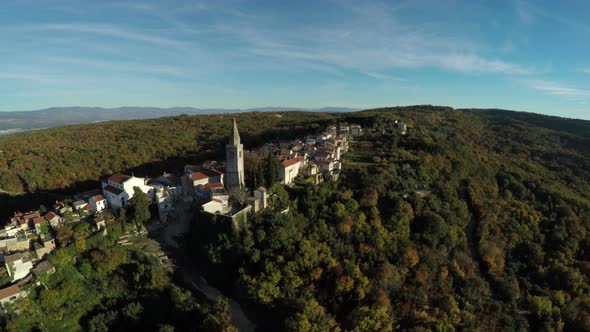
<point x="215" y="186"/>
<point x="27" y="238"/>
<point x="313" y="158"/>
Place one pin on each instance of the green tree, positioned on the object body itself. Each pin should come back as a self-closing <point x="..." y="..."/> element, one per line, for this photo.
<point x="272" y="170"/>
<point x="140" y="206"/>
<point x="430" y="228"/>
<point x="312" y="317"/>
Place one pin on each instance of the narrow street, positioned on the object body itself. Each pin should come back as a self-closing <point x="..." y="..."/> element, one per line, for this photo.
<point x="171" y="237"/>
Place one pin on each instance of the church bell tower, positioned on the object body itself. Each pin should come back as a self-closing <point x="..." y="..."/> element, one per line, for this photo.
<point x="234" y="154"/>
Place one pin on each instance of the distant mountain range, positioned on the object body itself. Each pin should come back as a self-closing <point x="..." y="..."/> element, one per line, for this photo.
<point x="12" y="122"/>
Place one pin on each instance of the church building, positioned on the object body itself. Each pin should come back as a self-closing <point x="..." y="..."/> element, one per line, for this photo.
<point x="234" y="153"/>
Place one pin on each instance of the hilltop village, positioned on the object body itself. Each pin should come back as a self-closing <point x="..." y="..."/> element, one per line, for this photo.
<point x="213" y="187"/>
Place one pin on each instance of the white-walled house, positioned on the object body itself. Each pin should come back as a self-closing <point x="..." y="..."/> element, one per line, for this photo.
<point x="191" y="182"/>
<point x="18" y="265"/>
<point x="322" y="156"/>
<point x="216" y="206"/>
<point x="289" y="170"/>
<point x="98" y="203"/>
<point x="9" y="295"/>
<point x="53" y="219"/>
<point x="356" y="130"/>
<point x="118" y="190"/>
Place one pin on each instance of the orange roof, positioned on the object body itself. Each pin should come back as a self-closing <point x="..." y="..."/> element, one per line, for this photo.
<point x="198" y="176"/>
<point x="31" y="215"/>
<point x="38" y="220"/>
<point x="50" y="215"/>
<point x="98" y="198"/>
<point x="213" y="185"/>
<point x="119" y="178"/>
<point x="290" y="162"/>
<point x="9" y="291"/>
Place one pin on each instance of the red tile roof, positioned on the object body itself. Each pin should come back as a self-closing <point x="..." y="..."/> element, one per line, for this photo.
<point x="98" y="198"/>
<point x="31" y="216"/>
<point x="215" y="185"/>
<point x="290" y="162"/>
<point x="119" y="178"/>
<point x="113" y="190"/>
<point x="50" y="215"/>
<point x="9" y="291"/>
<point x="198" y="176"/>
<point x="39" y="220"/>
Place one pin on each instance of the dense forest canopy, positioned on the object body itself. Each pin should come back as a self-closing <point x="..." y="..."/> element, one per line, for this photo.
<point x="100" y="285"/>
<point x="474" y="219"/>
<point x="471" y="220"/>
<point x="59" y="158"/>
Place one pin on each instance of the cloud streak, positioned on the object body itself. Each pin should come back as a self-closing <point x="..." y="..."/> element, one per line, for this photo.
<point x="110" y="30"/>
<point x="360" y="46"/>
<point x="558" y="89"/>
<point x="121" y="66"/>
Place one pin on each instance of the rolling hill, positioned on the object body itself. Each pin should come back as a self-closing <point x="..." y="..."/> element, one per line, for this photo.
<point x="473" y="220"/>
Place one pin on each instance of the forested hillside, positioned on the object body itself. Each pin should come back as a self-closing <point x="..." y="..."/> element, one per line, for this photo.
<point x="60" y="158"/>
<point x="100" y="285"/>
<point x="473" y="220"/>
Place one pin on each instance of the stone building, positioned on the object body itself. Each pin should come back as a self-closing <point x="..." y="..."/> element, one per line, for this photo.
<point x="234" y="152"/>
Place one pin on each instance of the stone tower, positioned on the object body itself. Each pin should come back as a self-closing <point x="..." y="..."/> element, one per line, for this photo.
<point x="234" y="153"/>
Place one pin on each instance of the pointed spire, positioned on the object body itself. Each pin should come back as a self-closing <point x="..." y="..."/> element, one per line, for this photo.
<point x="234" y="137"/>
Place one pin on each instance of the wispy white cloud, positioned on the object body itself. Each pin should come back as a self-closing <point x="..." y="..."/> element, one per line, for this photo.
<point x="373" y="39"/>
<point x="558" y="89"/>
<point x="110" y="30"/>
<point x="145" y="68"/>
<point x="384" y="77"/>
<point x="25" y="77"/>
<point x="529" y="11"/>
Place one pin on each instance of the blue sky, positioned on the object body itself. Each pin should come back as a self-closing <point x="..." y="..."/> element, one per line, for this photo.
<point x="516" y="54"/>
